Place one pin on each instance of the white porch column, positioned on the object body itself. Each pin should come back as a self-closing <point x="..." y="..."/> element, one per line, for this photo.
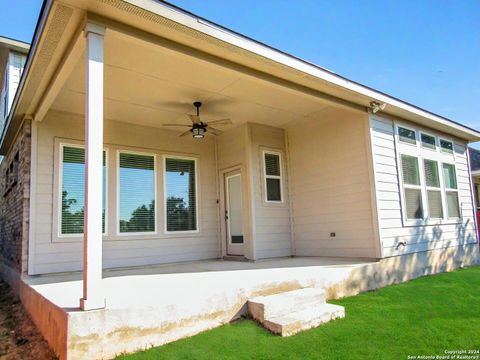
<point x="93" y="295"/>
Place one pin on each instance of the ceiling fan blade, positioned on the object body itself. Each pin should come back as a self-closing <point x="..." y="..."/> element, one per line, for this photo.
<point x="182" y="125"/>
<point x="220" y="122"/>
<point x="185" y="133"/>
<point x="195" y="118"/>
<point x="214" y="131"/>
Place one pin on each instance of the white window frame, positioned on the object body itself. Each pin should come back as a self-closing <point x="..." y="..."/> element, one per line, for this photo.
<point x="445" y="190"/>
<point x="407" y="128"/>
<point x="424" y="153"/>
<point x="442" y="150"/>
<point x="413" y="187"/>
<point x="432" y="188"/>
<point x="62" y="145"/>
<point x="428" y="134"/>
<point x="197" y="217"/>
<point x="155" y="230"/>
<point x="265" y="176"/>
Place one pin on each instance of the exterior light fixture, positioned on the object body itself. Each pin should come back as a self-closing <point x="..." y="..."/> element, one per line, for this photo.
<point x="375" y="106"/>
<point x="198" y="131"/>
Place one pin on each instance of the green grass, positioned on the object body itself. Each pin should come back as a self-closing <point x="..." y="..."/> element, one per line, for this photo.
<point x="422" y="317"/>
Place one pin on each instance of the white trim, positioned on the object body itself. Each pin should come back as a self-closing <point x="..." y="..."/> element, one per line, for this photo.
<point x="422" y="153"/>
<point x="33" y="198"/>
<point x="452" y="190"/>
<point x="155" y="231"/>
<point x="406" y="127"/>
<point x="195" y="160"/>
<point x="442" y="150"/>
<point x="59" y="186"/>
<point x="265" y="177"/>
<point x="225" y="35"/>
<point x="421" y="132"/>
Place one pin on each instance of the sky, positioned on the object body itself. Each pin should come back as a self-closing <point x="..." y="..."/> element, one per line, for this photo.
<point x="426" y="52"/>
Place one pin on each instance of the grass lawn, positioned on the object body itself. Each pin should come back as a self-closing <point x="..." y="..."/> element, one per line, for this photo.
<point x="422" y="317"/>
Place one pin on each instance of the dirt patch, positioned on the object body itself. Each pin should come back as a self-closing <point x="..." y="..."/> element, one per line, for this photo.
<point x="19" y="338"/>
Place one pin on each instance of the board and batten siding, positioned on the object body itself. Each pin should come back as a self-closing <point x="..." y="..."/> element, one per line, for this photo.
<point x="53" y="254"/>
<point x="330" y="186"/>
<point x="396" y="238"/>
<point x="272" y="220"/>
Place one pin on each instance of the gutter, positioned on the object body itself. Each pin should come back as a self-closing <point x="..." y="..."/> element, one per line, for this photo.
<point x="44" y="11"/>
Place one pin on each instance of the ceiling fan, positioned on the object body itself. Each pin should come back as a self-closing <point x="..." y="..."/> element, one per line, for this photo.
<point x="199" y="128"/>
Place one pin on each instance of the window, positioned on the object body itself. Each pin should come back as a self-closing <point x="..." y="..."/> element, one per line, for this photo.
<point x="180" y="194"/>
<point x="273" y="177"/>
<point x="434" y="193"/>
<point x="412" y="188"/>
<point x="136" y="193"/>
<point x="446" y="146"/>
<point x="451" y="192"/>
<point x="73" y="189"/>
<point x="407" y="135"/>
<point x="428" y="141"/>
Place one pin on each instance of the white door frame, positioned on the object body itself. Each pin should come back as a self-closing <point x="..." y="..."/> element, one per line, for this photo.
<point x="224" y="173"/>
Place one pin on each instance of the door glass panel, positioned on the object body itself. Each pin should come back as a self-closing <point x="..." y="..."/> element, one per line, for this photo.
<point x="235" y="216"/>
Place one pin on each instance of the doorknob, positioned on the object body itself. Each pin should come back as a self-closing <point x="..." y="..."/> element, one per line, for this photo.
<point x="226" y="215"/>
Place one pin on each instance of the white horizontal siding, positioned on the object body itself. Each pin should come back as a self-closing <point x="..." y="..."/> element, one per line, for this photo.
<point x="330" y="186"/>
<point x="389" y="207"/>
<point x="53" y="255"/>
<point x="272" y="221"/>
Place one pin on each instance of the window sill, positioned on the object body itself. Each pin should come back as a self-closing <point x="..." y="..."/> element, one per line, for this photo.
<point x="431" y="222"/>
<point x="129" y="237"/>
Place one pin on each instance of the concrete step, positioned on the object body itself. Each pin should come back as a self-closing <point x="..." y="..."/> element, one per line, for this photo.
<point x="295" y="322"/>
<point x="266" y="307"/>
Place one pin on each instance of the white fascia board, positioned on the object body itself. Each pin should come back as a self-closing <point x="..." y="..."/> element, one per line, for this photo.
<point x="190" y="20"/>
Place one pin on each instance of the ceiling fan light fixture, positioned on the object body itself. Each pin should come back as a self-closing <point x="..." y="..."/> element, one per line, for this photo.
<point x="198" y="132"/>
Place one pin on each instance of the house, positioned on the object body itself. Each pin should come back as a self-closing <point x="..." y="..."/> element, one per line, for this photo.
<point x="474" y="156"/>
<point x="114" y="225"/>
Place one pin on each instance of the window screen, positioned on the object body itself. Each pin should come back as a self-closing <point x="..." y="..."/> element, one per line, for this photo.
<point x="180" y="194"/>
<point x="73" y="190"/>
<point x="451" y="192"/>
<point x="449" y="175"/>
<point x="273" y="176"/>
<point x="137" y="193"/>
<point x="410" y="171"/>
<point x="413" y="200"/>
<point x="407" y="135"/>
<point x="434" y="194"/>
<point x="412" y="189"/>
<point x="431" y="173"/>
<point x="452" y="204"/>
<point x="428" y="141"/>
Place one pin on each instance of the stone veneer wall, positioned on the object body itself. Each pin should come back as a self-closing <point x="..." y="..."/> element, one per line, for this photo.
<point x="15" y="201"/>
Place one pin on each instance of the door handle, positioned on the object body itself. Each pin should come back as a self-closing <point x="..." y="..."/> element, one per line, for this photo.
<point x="226" y="215"/>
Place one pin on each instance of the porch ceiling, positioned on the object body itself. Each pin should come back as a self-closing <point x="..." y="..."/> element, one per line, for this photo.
<point x="150" y="85"/>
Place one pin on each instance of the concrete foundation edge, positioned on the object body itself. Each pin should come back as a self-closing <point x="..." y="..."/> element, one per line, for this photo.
<point x="65" y="331"/>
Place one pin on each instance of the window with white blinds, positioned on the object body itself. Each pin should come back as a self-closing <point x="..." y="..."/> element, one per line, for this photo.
<point x="451" y="191"/>
<point x="73" y="189"/>
<point x="136" y="193"/>
<point x="273" y="176"/>
<point x="180" y="194"/>
<point x="434" y="193"/>
<point x="426" y="164"/>
<point x="412" y="187"/>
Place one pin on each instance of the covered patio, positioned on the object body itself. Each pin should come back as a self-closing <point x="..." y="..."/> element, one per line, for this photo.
<point x="154" y="305"/>
<point x="112" y="95"/>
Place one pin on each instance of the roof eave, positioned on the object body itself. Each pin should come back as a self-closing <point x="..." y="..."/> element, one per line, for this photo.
<point x="198" y="23"/>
